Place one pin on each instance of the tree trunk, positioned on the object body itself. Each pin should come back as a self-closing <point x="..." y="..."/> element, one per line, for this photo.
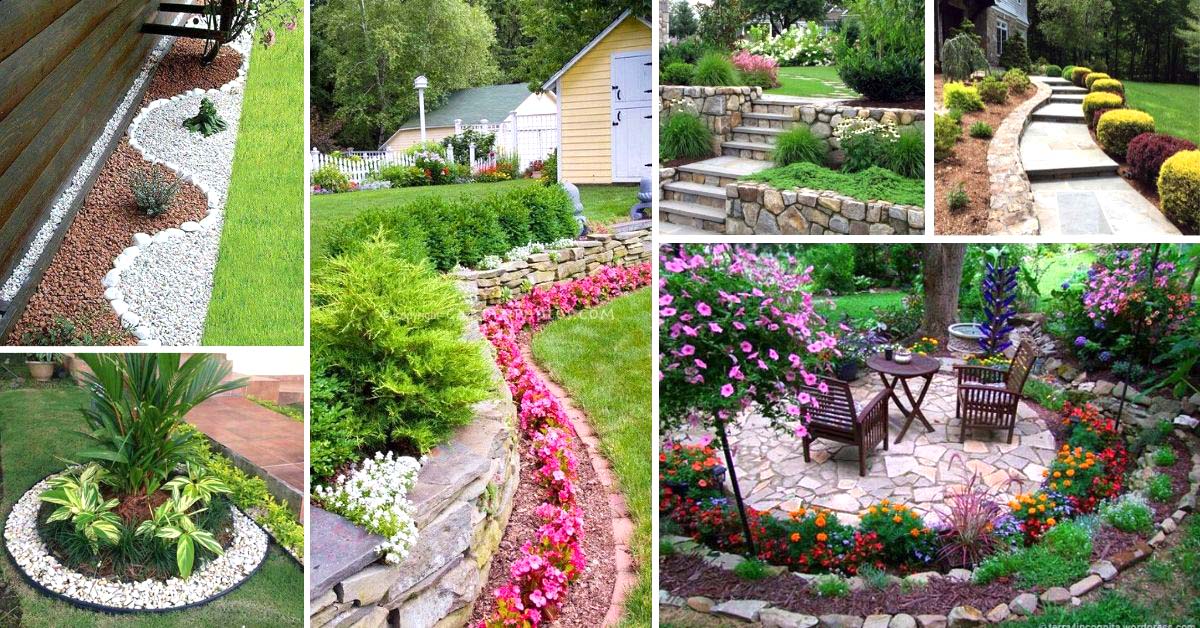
<point x="942" y="270"/>
<point x="380" y="132"/>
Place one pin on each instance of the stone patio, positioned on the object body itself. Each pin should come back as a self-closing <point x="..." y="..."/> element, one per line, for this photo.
<point x="917" y="471"/>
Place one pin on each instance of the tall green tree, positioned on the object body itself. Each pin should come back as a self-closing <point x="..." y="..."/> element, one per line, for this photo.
<point x="722" y="22"/>
<point x="558" y="29"/>
<point x="375" y="48"/>
<point x="1189" y="33"/>
<point x="510" y="39"/>
<point x="683" y="19"/>
<point x="1075" y="25"/>
<point x="784" y="13"/>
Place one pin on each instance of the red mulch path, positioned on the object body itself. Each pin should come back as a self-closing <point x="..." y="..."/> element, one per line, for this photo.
<point x="967" y="164"/>
<point x="587" y="598"/>
<point x="688" y="575"/>
<point x="109" y="217"/>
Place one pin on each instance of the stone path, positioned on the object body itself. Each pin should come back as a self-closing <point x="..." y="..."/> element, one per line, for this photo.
<point x="1075" y="185"/>
<point x="917" y="471"/>
<point x="259" y="441"/>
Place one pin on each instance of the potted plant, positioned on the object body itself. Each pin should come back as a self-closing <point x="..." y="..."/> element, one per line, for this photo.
<point x="41" y="366"/>
<point x="855" y="347"/>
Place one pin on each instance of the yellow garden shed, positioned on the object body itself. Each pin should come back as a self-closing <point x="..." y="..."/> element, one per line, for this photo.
<point x="604" y="106"/>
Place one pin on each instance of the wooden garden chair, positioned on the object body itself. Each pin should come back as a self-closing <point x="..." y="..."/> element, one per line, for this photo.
<point x="988" y="396"/>
<point x="835" y="418"/>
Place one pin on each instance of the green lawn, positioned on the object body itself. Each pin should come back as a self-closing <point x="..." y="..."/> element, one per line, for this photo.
<point x="604" y="204"/>
<point x="36" y="431"/>
<point x="1172" y="105"/>
<point x="858" y="306"/>
<point x="1061" y="268"/>
<point x="816" y="81"/>
<point x="615" y="394"/>
<point x="258" y="289"/>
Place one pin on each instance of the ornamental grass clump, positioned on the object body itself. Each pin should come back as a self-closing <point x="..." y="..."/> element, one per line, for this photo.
<point x="981" y="130"/>
<point x="374" y="495"/>
<point x="715" y="70"/>
<point x="967" y="530"/>
<point x="798" y="144"/>
<point x="153" y="192"/>
<point x="683" y="135"/>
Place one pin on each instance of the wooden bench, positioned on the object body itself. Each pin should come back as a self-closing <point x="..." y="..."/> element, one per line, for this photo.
<point x="835" y="418"/>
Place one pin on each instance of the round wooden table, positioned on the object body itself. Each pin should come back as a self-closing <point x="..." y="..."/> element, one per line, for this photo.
<point x="892" y="372"/>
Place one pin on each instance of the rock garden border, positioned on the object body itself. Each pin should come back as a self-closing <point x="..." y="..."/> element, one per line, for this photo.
<point x="758" y="208"/>
<point x="134" y="288"/>
<point x="1010" y="210"/>
<point x="244" y="557"/>
<point x="1025" y="603"/>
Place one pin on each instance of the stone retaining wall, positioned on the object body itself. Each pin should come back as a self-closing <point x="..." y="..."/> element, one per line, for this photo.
<point x="462" y="502"/>
<point x="584" y="257"/>
<point x="759" y="209"/>
<point x="720" y="108"/>
<point x="1011" y="207"/>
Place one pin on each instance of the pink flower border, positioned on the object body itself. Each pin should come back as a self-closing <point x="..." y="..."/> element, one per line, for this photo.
<point x="550" y="562"/>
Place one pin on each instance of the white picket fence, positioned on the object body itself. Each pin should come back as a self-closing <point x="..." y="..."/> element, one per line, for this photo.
<point x="358" y="165"/>
<point x="530" y="137"/>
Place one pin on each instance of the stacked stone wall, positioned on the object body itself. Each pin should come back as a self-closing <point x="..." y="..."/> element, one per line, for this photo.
<point x="759" y="209"/>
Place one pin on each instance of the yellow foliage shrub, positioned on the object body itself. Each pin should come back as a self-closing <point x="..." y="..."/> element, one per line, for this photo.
<point x="1179" y="188"/>
<point x="1100" y="100"/>
<point x="1111" y="86"/>
<point x="1116" y="128"/>
<point x="1093" y="77"/>
<point x="1078" y="74"/>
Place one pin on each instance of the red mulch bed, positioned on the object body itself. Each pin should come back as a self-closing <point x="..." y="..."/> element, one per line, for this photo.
<point x="587" y="598"/>
<point x="967" y="164"/>
<point x="688" y="575"/>
<point x="105" y="224"/>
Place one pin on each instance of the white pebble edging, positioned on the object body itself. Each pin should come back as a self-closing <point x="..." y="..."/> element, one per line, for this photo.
<point x="58" y="210"/>
<point x="247" y="550"/>
<point x="166" y="279"/>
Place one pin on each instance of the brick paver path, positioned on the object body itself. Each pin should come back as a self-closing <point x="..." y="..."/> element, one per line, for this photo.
<point x="267" y="439"/>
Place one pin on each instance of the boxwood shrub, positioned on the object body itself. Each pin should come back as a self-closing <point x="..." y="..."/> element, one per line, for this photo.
<point x="1067" y="72"/>
<point x="1179" y="188"/>
<point x="959" y="96"/>
<point x="1148" y="151"/>
<point x="1099" y="100"/>
<point x="946" y="131"/>
<point x="992" y="90"/>
<point x="1052" y="70"/>
<point x="1116" y="128"/>
<point x="678" y="73"/>
<point x="1112" y="86"/>
<point x="1093" y="77"/>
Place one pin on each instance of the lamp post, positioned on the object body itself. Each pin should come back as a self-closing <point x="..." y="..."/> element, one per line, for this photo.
<point x="420" y="83"/>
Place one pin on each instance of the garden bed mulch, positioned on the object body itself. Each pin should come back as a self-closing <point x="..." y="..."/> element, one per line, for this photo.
<point x="967" y="165"/>
<point x="108" y="218"/>
<point x="689" y="575"/>
<point x="588" y="597"/>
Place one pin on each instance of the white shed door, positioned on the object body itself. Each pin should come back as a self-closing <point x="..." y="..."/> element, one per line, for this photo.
<point x="632" y="87"/>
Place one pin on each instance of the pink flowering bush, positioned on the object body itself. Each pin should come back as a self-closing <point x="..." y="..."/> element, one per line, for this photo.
<point x="737" y="330"/>
<point x="550" y="562"/>
<point x="762" y="68"/>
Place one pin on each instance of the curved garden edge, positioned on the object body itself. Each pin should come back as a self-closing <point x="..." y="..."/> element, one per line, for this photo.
<point x="261" y="534"/>
<point x="1010" y="209"/>
<point x="618" y="511"/>
<point x="1026" y="603"/>
<point x="212" y="219"/>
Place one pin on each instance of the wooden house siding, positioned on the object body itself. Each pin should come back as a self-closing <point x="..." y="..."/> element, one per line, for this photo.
<point x="586" y="97"/>
<point x="64" y="66"/>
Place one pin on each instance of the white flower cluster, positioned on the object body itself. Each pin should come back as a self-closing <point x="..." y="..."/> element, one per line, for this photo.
<point x="490" y="262"/>
<point x="853" y="127"/>
<point x="374" y="495"/>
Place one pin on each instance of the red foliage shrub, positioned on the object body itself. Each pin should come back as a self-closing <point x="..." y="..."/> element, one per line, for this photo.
<point x="1148" y="151"/>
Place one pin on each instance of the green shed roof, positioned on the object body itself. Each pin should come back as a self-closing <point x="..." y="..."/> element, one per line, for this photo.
<point x="492" y="103"/>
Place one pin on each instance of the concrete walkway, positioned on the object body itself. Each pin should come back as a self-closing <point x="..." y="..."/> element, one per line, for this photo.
<point x="1076" y="188"/>
<point x="916" y="471"/>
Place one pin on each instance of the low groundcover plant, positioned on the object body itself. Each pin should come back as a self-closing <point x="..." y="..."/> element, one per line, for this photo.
<point x="374" y="494"/>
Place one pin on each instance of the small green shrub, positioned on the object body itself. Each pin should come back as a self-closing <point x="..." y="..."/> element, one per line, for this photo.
<point x="981" y="130"/>
<point x="683" y="135"/>
<point x="1116" y="129"/>
<point x="799" y="144"/>
<point x="666" y="548"/>
<point x="678" y="73"/>
<point x="206" y="122"/>
<point x="715" y="69"/>
<point x="1067" y="72"/>
<point x="400" y="176"/>
<point x="751" y="569"/>
<point x="906" y="155"/>
<point x="862" y="151"/>
<point x="1164" y="456"/>
<point x="962" y="97"/>
<point x="1129" y="514"/>
<point x="874" y="577"/>
<point x="1159" y="488"/>
<point x="152" y="192"/>
<point x="957" y="198"/>
<point x="330" y="178"/>
<point x="1015" y="55"/>
<point x="1052" y="70"/>
<point x="1179" y="188"/>
<point x="1017" y="81"/>
<point x="830" y="585"/>
<point x="961" y="57"/>
<point x="946" y="131"/>
<point x="550" y="169"/>
<point x="551" y="213"/>
<point x="993" y="91"/>
<point x="1097" y="101"/>
<point x="1061" y="558"/>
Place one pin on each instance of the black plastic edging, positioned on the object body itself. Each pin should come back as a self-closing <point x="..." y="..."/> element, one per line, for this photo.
<point x="119" y="610"/>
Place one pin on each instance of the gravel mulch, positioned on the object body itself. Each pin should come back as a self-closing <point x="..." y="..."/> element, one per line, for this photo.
<point x="588" y="598"/>
<point x="109" y="217"/>
<point x="688" y="575"/>
<point x="968" y="165"/>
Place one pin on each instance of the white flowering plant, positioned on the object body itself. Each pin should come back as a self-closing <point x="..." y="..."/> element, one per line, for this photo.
<point x="374" y="495"/>
<point x="806" y="45"/>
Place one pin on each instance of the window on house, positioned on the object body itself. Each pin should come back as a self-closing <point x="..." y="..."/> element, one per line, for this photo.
<point x="1001" y="36"/>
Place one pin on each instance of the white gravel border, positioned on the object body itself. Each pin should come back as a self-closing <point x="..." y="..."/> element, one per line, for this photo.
<point x="160" y="286"/>
<point x="245" y="553"/>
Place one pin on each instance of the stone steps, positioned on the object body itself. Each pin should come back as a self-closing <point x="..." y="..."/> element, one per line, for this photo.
<point x="1069" y="170"/>
<point x="1076" y="99"/>
<point x="756" y="135"/>
<point x="767" y="120"/>
<point x="1067" y="89"/>
<point x="707" y="219"/>
<point x="695" y="193"/>
<point x="747" y="150"/>
<point x="1059" y="112"/>
<point x="727" y="169"/>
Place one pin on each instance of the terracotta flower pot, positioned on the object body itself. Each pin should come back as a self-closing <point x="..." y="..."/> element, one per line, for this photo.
<point x="41" y="371"/>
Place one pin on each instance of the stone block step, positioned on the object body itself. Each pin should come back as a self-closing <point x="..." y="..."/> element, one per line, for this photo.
<point x="747" y="150"/>
<point x="725" y="167"/>
<point x="1052" y="80"/>
<point x="699" y="189"/>
<point x="758" y="130"/>
<point x="1067" y="89"/>
<point x="1069" y="170"/>
<point x="755" y="115"/>
<point x="709" y="219"/>
<point x="756" y="135"/>
<point x="1059" y="112"/>
<point x="1067" y="98"/>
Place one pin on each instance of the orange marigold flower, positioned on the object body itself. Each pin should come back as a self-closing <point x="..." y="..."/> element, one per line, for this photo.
<point x="822" y="537"/>
<point x="820" y="522"/>
<point x="896" y="519"/>
<point x="1050" y="521"/>
<point x="795" y="537"/>
<point x="915" y="532"/>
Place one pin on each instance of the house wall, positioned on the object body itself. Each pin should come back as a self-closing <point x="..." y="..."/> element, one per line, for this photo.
<point x="64" y="65"/>
<point x="586" y="93"/>
<point x="1016" y="24"/>
<point x="404" y="138"/>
